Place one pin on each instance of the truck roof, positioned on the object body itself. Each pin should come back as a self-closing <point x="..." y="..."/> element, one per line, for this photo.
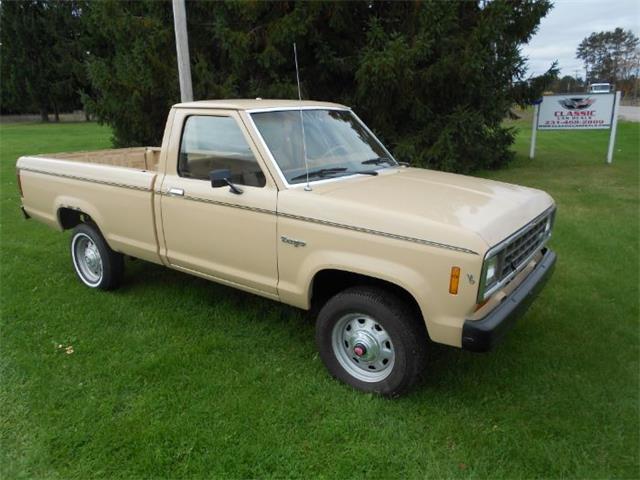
<point x="250" y="104"/>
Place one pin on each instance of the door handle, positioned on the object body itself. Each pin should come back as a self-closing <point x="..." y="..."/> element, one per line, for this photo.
<point x="176" y="192"/>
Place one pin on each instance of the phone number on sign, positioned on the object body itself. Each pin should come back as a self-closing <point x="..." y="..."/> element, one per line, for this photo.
<point x="574" y="122"/>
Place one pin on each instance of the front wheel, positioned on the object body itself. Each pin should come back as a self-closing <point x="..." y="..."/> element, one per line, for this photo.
<point x="371" y="339"/>
<point x="95" y="263"/>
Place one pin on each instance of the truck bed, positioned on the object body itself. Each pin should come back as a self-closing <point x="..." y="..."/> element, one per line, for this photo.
<point x="140" y="158"/>
<point x="114" y="187"/>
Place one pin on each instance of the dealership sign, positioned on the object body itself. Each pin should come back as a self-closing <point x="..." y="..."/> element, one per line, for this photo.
<point x="577" y="111"/>
<point x="561" y="112"/>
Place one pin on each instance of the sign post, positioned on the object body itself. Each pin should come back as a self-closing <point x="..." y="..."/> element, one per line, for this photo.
<point x="614" y="127"/>
<point x="534" y="129"/>
<point x="577" y="111"/>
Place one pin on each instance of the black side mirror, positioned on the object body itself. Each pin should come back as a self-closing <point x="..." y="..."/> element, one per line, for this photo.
<point x="221" y="178"/>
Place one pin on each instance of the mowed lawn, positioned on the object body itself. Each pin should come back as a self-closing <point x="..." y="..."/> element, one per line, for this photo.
<point x="173" y="376"/>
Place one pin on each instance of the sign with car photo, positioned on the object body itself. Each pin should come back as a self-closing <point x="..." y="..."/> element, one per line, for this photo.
<point x="577" y="111"/>
<point x="580" y="111"/>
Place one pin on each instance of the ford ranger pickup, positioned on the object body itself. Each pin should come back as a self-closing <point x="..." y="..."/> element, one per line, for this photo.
<point x="299" y="202"/>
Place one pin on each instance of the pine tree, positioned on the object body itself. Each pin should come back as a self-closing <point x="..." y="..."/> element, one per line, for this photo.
<point x="42" y="60"/>
<point x="434" y="79"/>
<point x="131" y="63"/>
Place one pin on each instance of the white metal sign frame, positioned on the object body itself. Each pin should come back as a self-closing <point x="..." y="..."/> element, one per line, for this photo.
<point x="577" y="111"/>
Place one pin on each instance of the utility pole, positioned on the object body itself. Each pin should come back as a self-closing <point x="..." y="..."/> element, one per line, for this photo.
<point x="586" y="78"/>
<point x="182" y="49"/>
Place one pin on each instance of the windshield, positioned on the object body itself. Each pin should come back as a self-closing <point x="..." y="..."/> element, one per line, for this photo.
<point x="337" y="144"/>
<point x="600" y="88"/>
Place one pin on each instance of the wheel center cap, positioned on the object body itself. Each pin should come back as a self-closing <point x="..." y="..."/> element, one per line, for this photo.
<point x="359" y="350"/>
<point x="91" y="258"/>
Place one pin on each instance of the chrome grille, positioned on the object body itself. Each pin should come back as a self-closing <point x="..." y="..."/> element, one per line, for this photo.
<point x="513" y="253"/>
<point x="520" y="248"/>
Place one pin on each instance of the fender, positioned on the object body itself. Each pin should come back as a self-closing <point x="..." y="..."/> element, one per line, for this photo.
<point x="79" y="205"/>
<point x="403" y="276"/>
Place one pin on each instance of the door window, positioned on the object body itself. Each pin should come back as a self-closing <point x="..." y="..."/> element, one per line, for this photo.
<point x="214" y="143"/>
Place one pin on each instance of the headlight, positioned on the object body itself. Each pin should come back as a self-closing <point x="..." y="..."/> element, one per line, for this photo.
<point x="490" y="274"/>
<point x="549" y="225"/>
<point x="491" y="271"/>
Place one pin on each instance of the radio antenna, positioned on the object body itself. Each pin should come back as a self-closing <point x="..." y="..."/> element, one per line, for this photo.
<point x="304" y="143"/>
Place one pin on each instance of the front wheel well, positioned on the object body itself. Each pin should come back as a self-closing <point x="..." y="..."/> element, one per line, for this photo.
<point x="327" y="283"/>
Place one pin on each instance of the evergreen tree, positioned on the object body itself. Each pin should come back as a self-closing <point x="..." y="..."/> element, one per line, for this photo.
<point x="433" y="79"/>
<point x="131" y="63"/>
<point x="436" y="79"/>
<point x="42" y="65"/>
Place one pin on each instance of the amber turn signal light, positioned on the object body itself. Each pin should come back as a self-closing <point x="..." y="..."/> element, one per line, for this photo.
<point x="454" y="281"/>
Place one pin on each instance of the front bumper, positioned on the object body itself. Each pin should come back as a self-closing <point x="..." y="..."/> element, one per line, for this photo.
<point x="483" y="334"/>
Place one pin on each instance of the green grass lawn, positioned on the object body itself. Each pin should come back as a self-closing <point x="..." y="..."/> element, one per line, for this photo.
<point x="173" y="376"/>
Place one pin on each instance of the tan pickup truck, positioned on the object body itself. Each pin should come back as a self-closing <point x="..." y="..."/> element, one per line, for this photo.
<point x="300" y="203"/>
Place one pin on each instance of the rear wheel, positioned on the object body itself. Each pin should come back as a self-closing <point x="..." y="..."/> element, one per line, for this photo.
<point x="95" y="263"/>
<point x="371" y="339"/>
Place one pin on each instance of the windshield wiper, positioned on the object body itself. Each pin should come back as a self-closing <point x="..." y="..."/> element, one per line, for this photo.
<point x="322" y="172"/>
<point x="378" y="161"/>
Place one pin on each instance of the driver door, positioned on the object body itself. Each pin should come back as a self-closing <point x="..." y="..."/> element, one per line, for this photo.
<point x="214" y="232"/>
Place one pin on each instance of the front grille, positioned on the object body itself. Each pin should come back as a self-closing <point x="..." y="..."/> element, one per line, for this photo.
<point x="520" y="248"/>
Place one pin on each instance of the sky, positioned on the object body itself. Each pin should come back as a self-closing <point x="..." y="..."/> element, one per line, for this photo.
<point x="570" y="21"/>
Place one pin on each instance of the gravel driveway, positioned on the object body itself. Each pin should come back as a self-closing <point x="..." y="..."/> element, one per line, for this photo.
<point x="629" y="113"/>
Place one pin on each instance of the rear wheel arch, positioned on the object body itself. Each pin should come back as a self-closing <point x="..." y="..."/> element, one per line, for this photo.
<point x="69" y="218"/>
<point x="72" y="211"/>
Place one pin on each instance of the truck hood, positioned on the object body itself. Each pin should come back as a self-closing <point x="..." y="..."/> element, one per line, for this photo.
<point x="424" y="204"/>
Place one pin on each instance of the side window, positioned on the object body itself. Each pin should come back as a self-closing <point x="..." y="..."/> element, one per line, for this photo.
<point x="213" y="143"/>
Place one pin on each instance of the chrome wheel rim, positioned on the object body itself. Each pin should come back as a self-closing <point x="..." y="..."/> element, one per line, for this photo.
<point x="363" y="347"/>
<point x="86" y="259"/>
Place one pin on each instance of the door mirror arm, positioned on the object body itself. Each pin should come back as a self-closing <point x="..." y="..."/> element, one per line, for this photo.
<point x="221" y="178"/>
<point x="234" y="188"/>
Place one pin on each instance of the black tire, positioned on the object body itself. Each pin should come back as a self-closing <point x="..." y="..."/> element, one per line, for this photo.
<point x="88" y="239"/>
<point x="395" y="317"/>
